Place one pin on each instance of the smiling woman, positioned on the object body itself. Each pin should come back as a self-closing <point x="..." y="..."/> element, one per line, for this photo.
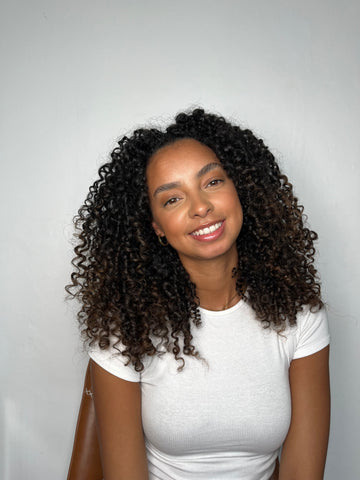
<point x="202" y="310"/>
<point x="194" y="203"/>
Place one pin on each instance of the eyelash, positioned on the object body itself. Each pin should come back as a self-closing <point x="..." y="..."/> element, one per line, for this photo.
<point x="170" y="202"/>
<point x="215" y="182"/>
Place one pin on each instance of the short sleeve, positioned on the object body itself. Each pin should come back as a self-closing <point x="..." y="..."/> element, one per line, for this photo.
<point x="113" y="362"/>
<point x="312" y="333"/>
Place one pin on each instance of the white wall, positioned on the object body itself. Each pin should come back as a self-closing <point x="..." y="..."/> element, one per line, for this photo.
<point x="77" y="74"/>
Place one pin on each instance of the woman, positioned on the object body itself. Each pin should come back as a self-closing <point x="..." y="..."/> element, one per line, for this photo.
<point x="201" y="305"/>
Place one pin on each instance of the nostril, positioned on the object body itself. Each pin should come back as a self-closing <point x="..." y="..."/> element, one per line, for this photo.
<point x="202" y="212"/>
<point x="200" y="206"/>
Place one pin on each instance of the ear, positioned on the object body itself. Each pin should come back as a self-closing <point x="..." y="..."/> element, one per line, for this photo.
<point x="158" y="230"/>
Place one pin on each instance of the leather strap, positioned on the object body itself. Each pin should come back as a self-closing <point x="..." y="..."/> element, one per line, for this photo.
<point x="275" y="475"/>
<point x="85" y="461"/>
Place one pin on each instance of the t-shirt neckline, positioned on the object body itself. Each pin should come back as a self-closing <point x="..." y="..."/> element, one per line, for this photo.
<point x="221" y="313"/>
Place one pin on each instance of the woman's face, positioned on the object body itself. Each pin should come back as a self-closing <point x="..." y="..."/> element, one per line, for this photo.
<point x="193" y="202"/>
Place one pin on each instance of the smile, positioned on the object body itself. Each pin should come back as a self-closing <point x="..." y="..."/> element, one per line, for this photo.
<point x="207" y="230"/>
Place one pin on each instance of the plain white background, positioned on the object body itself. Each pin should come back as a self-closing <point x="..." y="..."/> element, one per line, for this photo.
<point x="76" y="75"/>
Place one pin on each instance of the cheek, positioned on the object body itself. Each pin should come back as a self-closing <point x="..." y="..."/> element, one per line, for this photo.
<point x="156" y="219"/>
<point x="161" y="220"/>
<point x="232" y="200"/>
<point x="172" y="223"/>
<point x="237" y="208"/>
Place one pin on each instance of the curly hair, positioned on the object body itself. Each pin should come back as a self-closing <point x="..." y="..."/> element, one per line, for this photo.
<point x="135" y="293"/>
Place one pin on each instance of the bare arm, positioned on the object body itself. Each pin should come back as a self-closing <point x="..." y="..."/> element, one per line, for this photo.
<point x="305" y="447"/>
<point x="118" y="415"/>
<point x="85" y="461"/>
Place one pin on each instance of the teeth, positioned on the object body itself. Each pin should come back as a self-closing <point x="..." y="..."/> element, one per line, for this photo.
<point x="207" y="230"/>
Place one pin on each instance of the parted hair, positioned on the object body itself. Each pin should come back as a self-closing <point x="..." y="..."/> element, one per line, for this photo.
<point x="135" y="293"/>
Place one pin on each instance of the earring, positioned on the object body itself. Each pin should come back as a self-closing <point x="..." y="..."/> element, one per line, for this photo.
<point x="163" y="241"/>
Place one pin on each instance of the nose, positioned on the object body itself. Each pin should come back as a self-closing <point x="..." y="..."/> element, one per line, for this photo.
<point x="200" y="206"/>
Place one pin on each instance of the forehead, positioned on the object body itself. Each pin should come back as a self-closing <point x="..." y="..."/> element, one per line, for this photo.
<point x="182" y="155"/>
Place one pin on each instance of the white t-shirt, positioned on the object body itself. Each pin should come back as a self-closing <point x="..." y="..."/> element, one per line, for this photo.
<point x="225" y="418"/>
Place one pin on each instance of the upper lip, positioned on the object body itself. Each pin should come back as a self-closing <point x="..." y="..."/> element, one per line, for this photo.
<point x="205" y="225"/>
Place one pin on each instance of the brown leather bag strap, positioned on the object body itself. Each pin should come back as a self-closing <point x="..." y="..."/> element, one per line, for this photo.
<point x="275" y="475"/>
<point x="85" y="461"/>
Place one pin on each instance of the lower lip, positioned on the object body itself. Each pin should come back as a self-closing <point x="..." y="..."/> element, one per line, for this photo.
<point x="209" y="237"/>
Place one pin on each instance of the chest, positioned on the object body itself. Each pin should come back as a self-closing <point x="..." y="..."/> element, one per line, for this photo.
<point x="236" y="398"/>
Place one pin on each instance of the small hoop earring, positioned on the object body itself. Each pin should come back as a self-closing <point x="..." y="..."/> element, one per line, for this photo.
<point x="163" y="241"/>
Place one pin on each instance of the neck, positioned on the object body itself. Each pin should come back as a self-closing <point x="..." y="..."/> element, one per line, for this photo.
<point x="215" y="282"/>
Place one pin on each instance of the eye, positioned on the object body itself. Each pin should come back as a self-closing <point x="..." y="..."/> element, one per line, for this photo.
<point x="171" y="201"/>
<point x="215" y="182"/>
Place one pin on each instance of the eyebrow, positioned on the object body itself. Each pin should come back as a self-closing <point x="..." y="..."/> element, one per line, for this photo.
<point x="207" y="168"/>
<point x="203" y="171"/>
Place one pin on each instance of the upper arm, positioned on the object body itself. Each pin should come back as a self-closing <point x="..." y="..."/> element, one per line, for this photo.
<point x="118" y="415"/>
<point x="305" y="447"/>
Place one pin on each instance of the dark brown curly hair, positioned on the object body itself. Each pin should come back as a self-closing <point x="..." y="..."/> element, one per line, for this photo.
<point x="136" y="293"/>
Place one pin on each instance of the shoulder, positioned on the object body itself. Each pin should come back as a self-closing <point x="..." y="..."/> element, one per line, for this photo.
<point x="113" y="361"/>
<point x="311" y="333"/>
